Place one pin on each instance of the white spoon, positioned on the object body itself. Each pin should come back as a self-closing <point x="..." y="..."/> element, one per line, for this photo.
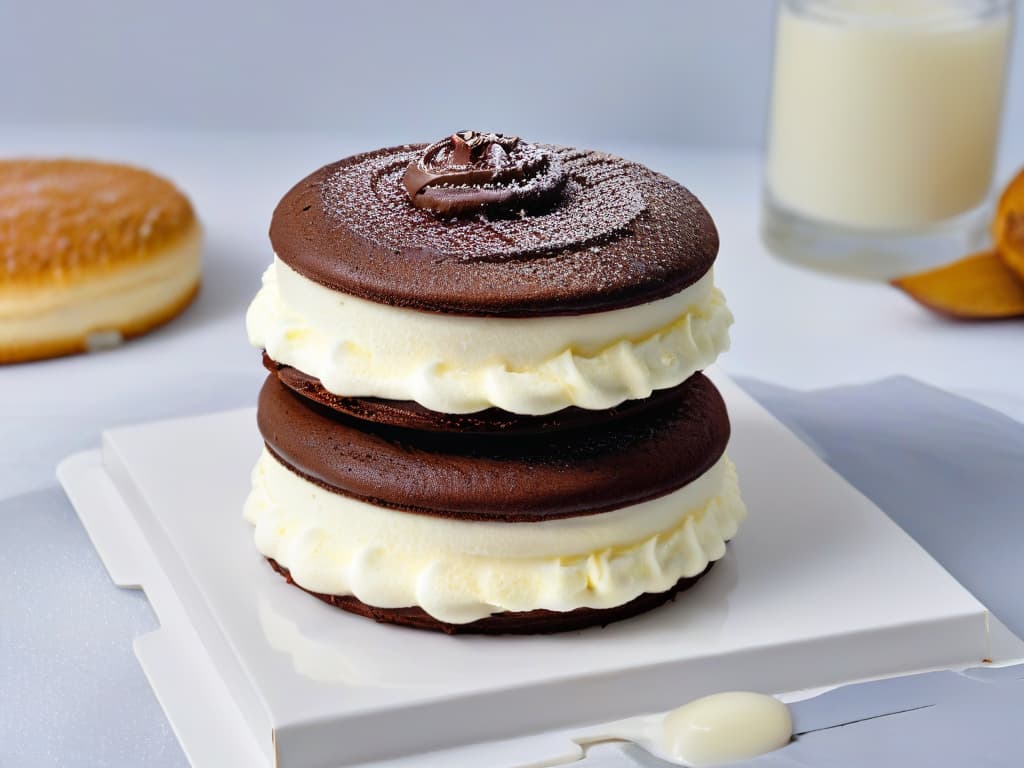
<point x="720" y="728"/>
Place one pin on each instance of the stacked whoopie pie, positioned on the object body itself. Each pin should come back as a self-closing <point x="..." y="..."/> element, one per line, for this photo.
<point x="485" y="411"/>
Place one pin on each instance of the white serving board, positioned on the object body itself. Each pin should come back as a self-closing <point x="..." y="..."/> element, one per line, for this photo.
<point x="819" y="588"/>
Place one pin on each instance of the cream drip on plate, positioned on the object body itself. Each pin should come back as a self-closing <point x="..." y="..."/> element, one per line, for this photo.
<point x="713" y="730"/>
<point x="461" y="364"/>
<point x="724" y="728"/>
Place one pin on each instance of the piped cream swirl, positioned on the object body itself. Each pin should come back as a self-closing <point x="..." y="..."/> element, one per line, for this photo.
<point x="462" y="364"/>
<point x="459" y="571"/>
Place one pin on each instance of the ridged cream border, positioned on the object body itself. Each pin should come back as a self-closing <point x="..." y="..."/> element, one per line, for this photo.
<point x="337" y="339"/>
<point x="313" y="532"/>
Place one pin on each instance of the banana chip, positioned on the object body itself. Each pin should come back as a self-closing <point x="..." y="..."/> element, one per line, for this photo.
<point x="1008" y="228"/>
<point x="978" y="287"/>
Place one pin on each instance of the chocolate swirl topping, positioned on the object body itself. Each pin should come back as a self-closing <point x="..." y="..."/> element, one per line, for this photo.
<point x="470" y="171"/>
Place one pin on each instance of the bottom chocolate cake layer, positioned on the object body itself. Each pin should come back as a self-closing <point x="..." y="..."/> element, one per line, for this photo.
<point x="512" y="479"/>
<point x="539" y="622"/>
<point x="492" y="421"/>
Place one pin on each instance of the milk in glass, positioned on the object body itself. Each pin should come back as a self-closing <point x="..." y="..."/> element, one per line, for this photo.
<point x="885" y="119"/>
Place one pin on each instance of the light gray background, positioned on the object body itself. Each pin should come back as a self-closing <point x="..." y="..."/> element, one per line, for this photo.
<point x="580" y="71"/>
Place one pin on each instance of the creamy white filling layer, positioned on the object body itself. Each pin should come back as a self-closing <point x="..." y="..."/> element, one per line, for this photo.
<point x="102" y="300"/>
<point x="460" y="364"/>
<point x="459" y="571"/>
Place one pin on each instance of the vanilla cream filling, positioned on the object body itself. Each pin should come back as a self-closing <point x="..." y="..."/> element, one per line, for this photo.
<point x="459" y="571"/>
<point x="100" y="300"/>
<point x="461" y="364"/>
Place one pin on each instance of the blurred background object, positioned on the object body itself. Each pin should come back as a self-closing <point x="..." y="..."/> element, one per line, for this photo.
<point x="884" y="126"/>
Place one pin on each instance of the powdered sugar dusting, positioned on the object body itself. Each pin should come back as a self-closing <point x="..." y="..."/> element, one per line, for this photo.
<point x="599" y="200"/>
<point x="619" y="235"/>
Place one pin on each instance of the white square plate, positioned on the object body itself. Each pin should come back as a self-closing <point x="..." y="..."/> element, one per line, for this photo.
<point x="819" y="588"/>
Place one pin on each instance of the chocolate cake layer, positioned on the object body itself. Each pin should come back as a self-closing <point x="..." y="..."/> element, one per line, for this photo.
<point x="537" y="622"/>
<point x="492" y="421"/>
<point x="512" y="478"/>
<point x="586" y="232"/>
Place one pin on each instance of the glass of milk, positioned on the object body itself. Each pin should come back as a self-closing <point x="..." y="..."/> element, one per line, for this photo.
<point x="882" y="136"/>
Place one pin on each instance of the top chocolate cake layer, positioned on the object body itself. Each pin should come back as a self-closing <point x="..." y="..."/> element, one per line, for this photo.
<point x="493" y="226"/>
<point x="508" y="478"/>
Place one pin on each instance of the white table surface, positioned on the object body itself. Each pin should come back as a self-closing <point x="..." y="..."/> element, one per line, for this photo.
<point x="793" y="327"/>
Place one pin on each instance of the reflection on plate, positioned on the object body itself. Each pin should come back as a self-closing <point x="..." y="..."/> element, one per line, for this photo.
<point x="328" y="645"/>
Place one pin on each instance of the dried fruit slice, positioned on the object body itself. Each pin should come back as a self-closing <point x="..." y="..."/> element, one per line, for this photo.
<point x="978" y="287"/>
<point x="1008" y="228"/>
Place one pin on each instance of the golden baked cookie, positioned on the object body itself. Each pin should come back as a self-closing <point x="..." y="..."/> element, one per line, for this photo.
<point x="90" y="253"/>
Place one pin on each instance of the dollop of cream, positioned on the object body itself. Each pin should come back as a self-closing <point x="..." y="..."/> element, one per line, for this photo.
<point x="724" y="728"/>
<point x="459" y="571"/>
<point x="460" y="364"/>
